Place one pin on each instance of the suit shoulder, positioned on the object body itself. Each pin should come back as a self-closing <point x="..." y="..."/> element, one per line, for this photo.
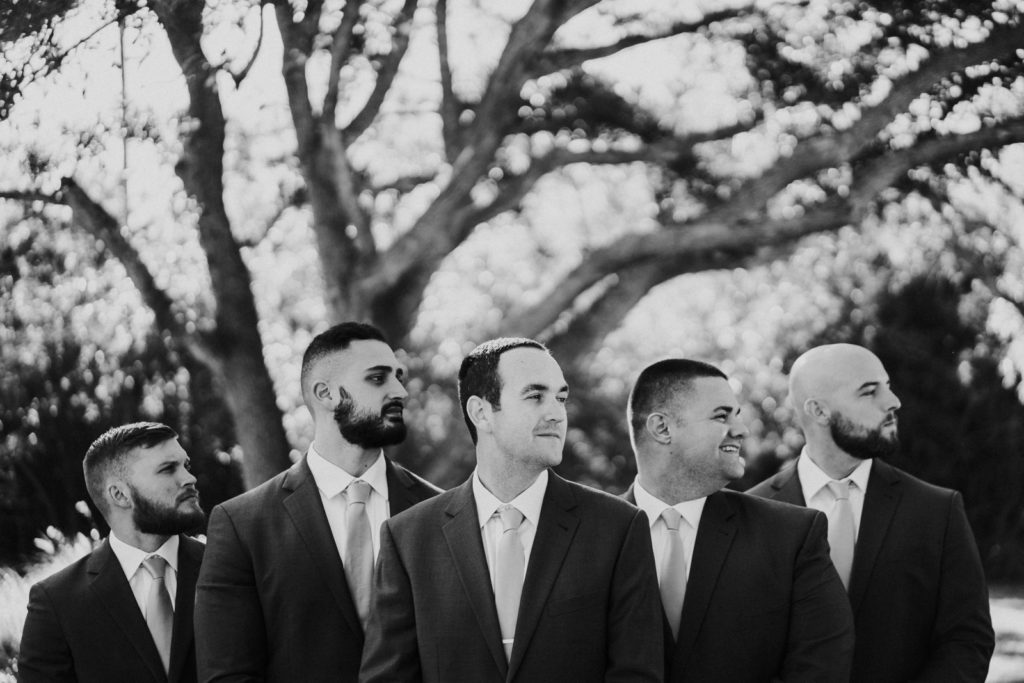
<point x="921" y="488"/>
<point x="68" y="578"/>
<point x="421" y="485"/>
<point x="600" y="501"/>
<point x="767" y="488"/>
<point x="256" y="497"/>
<point x="775" y="510"/>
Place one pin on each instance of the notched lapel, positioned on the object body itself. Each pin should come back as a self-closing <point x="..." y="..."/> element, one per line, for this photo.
<point x="306" y="511"/>
<point x="462" y="533"/>
<point x="399" y="497"/>
<point x="110" y="586"/>
<point x="555" y="530"/>
<point x="715" y="535"/>
<point x="786" y="485"/>
<point x="880" y="503"/>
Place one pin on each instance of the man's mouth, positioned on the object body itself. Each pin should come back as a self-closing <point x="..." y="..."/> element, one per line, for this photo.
<point x="731" y="448"/>
<point x="187" y="496"/>
<point x="393" y="410"/>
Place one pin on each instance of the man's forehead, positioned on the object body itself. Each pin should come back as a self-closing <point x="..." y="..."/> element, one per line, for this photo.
<point x="524" y="366"/>
<point x="708" y="393"/>
<point x="157" y="453"/>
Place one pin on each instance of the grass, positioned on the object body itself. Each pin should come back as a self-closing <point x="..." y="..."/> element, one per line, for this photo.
<point x="1007" y="604"/>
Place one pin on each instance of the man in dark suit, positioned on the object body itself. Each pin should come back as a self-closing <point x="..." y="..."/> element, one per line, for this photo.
<point x="748" y="590"/>
<point x="903" y="546"/>
<point x="123" y="613"/>
<point x="516" y="575"/>
<point x="284" y="590"/>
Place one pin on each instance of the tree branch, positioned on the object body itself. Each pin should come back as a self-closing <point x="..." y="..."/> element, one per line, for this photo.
<point x="401" y="31"/>
<point x="557" y="60"/>
<point x="28" y="196"/>
<point x="449" y="108"/>
<point x="341" y="45"/>
<point x="97" y="221"/>
<point x="240" y="76"/>
<point x="700" y="245"/>
<point x="830" y="149"/>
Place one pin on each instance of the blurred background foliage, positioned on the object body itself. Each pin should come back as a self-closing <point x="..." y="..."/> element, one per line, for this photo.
<point x="730" y="181"/>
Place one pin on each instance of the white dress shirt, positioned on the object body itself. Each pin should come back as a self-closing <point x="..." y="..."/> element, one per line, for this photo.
<point x="817" y="495"/>
<point x="331" y="481"/>
<point x="139" y="579"/>
<point x="528" y="502"/>
<point x="691" y="510"/>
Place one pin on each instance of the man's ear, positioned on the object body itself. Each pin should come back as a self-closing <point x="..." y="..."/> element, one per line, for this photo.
<point x="118" y="494"/>
<point x="658" y="428"/>
<point x="817" y="411"/>
<point x="479" y="412"/>
<point x="322" y="393"/>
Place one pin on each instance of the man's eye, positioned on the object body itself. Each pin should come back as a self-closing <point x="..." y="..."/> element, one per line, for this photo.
<point x="720" y="418"/>
<point x="376" y="379"/>
<point x="562" y="399"/>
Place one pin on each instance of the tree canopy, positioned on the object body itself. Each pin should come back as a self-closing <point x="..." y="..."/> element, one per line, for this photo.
<point x="620" y="179"/>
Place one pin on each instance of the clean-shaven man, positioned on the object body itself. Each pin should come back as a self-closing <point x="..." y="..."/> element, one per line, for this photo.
<point x="748" y="590"/>
<point x="517" y="574"/>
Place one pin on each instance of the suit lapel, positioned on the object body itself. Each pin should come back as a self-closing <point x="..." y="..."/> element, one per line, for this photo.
<point x="462" y="533"/>
<point x="111" y="588"/>
<point x="399" y="484"/>
<point x="189" y="558"/>
<point x="880" y="503"/>
<point x="306" y="510"/>
<point x="555" y="530"/>
<point x="715" y="535"/>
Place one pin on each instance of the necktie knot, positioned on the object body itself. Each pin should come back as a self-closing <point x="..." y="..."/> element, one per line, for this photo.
<point x="672" y="518"/>
<point x="156" y="566"/>
<point x="511" y="518"/>
<point x="840" y="489"/>
<point x="358" y="491"/>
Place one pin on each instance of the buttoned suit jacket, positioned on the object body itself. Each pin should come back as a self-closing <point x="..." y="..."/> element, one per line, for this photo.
<point x="85" y="625"/>
<point x="273" y="603"/>
<point x="917" y="588"/>
<point x="763" y="601"/>
<point x="589" y="611"/>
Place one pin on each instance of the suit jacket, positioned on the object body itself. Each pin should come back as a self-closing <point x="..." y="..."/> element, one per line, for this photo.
<point x="589" y="609"/>
<point x="272" y="602"/>
<point x="84" y="625"/>
<point x="763" y="600"/>
<point x="917" y="588"/>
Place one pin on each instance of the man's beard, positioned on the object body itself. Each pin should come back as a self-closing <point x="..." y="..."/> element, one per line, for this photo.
<point x="861" y="442"/>
<point x="364" y="429"/>
<point x="153" y="518"/>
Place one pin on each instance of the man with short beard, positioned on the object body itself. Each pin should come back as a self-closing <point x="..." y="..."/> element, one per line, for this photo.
<point x="124" y="612"/>
<point x="284" y="592"/>
<point x="903" y="547"/>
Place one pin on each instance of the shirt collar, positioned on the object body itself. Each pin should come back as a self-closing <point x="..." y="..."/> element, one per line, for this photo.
<point x="528" y="502"/>
<point x="691" y="510"/>
<point x="813" y="479"/>
<point x="332" y="480"/>
<point x="130" y="558"/>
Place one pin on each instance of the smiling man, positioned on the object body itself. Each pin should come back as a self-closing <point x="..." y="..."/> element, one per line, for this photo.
<point x="903" y="547"/>
<point x="748" y="591"/>
<point x="285" y="590"/>
<point x="124" y="612"/>
<point x="517" y="574"/>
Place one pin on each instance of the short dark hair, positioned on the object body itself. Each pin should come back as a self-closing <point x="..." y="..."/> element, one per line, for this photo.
<point x="478" y="374"/>
<point x="659" y="383"/>
<point x="334" y="339"/>
<point x="108" y="452"/>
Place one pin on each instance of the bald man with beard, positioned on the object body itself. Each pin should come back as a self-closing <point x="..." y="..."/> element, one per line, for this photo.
<point x="902" y="546"/>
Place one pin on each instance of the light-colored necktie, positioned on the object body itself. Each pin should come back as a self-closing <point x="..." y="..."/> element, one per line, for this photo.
<point x="159" y="611"/>
<point x="841" y="531"/>
<point x="358" y="556"/>
<point x="509" y="569"/>
<point x="673" y="573"/>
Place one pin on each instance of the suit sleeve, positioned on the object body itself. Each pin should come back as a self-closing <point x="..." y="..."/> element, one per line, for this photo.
<point x="229" y="627"/>
<point x="45" y="656"/>
<point x="635" y="631"/>
<point x="821" y="632"/>
<point x="391" y="652"/>
<point x="962" y="636"/>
